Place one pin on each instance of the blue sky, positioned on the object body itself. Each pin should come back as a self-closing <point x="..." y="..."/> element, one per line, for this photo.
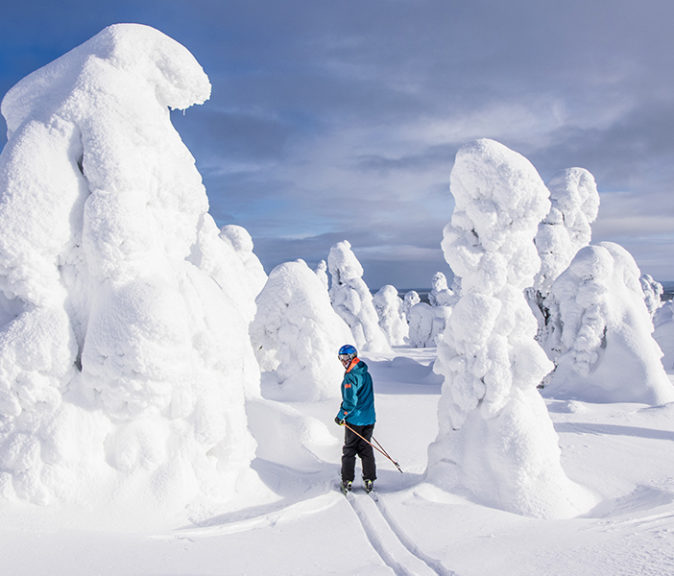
<point x="333" y="120"/>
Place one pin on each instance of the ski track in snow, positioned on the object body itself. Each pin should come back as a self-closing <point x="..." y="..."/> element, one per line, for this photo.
<point x="390" y="542"/>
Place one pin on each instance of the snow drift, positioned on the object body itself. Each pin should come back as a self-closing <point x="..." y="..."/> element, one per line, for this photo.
<point x="123" y="354"/>
<point x="494" y="429"/>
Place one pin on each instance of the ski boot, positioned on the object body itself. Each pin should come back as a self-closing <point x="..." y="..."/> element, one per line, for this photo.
<point x="368" y="485"/>
<point x="345" y="487"/>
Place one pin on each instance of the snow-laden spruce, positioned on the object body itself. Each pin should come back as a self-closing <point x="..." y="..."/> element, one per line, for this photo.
<point x="322" y="273"/>
<point x="242" y="243"/>
<point x="653" y="291"/>
<point x="123" y="352"/>
<point x="392" y="318"/>
<point x="664" y="333"/>
<point x="440" y="294"/>
<point x="352" y="300"/>
<point x="604" y="348"/>
<point x="296" y="335"/>
<point x="494" y="428"/>
<point x="567" y="226"/>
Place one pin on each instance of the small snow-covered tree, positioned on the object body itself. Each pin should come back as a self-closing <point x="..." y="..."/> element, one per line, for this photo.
<point x="392" y="319"/>
<point x="652" y="293"/>
<point x="410" y="299"/>
<point x="664" y="334"/>
<point x="296" y="334"/>
<point x="604" y="349"/>
<point x="352" y="299"/>
<point x="440" y="294"/>
<point x="495" y="436"/>
<point x="242" y="242"/>
<point x="574" y="203"/>
<point x="322" y="273"/>
<point x="426" y="323"/>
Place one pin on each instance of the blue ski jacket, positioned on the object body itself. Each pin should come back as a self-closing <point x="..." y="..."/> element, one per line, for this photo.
<point x="357" y="395"/>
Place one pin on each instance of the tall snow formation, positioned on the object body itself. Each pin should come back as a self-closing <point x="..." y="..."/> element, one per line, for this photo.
<point x="440" y="294"/>
<point x="567" y="226"/>
<point x="123" y="360"/>
<point x="322" y="273"/>
<point x="494" y="428"/>
<point x="242" y="243"/>
<point x="296" y="334"/>
<point x="603" y="344"/>
<point x="352" y="300"/>
<point x="392" y="319"/>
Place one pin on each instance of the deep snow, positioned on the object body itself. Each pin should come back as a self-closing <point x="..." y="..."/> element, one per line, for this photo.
<point x="623" y="452"/>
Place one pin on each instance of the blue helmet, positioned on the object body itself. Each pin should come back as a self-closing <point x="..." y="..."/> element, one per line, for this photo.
<point x="347" y="352"/>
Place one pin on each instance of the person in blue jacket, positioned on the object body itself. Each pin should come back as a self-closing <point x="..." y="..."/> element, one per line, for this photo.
<point x="357" y="410"/>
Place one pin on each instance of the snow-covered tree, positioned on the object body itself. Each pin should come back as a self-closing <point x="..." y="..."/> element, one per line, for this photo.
<point x="242" y="242"/>
<point x="440" y="294"/>
<point x="123" y="363"/>
<point x="604" y="349"/>
<point x="426" y="323"/>
<point x="494" y="428"/>
<point x="664" y="333"/>
<point x="352" y="300"/>
<point x="322" y="273"/>
<point x="574" y="204"/>
<point x="652" y="293"/>
<point x="392" y="319"/>
<point x="296" y="334"/>
<point x="409" y="300"/>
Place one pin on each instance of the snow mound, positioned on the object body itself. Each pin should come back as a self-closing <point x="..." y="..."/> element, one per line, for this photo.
<point x="296" y="334"/>
<point x="494" y="429"/>
<point x="123" y="354"/>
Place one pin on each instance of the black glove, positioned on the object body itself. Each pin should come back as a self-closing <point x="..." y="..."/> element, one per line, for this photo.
<point x="339" y="421"/>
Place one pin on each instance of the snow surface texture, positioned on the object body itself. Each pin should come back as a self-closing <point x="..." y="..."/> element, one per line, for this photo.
<point x="392" y="319"/>
<point x="352" y="300"/>
<point x="123" y="356"/>
<point x="604" y="349"/>
<point x="296" y="335"/>
<point x="494" y="429"/>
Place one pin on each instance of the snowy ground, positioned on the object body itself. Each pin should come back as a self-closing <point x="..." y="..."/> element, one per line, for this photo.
<point x="624" y="452"/>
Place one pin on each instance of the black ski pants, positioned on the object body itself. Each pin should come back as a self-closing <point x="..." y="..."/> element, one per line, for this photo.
<point x="354" y="445"/>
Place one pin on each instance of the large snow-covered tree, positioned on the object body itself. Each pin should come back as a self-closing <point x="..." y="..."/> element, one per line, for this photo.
<point x="123" y="352"/>
<point x="494" y="429"/>
<point x="603" y="346"/>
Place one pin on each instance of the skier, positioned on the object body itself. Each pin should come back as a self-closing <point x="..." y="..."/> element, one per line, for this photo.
<point x="357" y="411"/>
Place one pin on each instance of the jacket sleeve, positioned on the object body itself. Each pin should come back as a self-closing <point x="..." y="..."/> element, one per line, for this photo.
<point x="349" y="397"/>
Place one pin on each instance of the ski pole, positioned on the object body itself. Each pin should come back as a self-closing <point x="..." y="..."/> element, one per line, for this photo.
<point x="379" y="448"/>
